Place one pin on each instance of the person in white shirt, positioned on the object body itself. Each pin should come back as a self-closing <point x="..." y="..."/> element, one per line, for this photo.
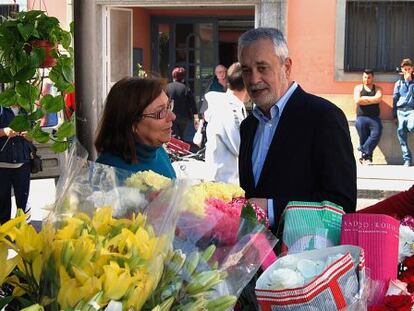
<point x="224" y="114"/>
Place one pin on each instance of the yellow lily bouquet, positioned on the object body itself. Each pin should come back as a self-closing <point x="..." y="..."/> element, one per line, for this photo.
<point x="109" y="246"/>
<point x="84" y="265"/>
<point x="102" y="263"/>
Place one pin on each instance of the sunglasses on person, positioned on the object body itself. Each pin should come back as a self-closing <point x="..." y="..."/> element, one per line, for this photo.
<point x="161" y="114"/>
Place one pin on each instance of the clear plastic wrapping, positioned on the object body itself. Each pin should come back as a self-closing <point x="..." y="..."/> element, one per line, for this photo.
<point x="113" y="241"/>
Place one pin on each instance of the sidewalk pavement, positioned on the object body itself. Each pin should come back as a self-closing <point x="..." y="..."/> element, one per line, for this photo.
<point x="375" y="182"/>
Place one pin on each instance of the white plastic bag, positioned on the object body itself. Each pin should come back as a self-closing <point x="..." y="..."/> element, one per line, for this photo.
<point x="198" y="137"/>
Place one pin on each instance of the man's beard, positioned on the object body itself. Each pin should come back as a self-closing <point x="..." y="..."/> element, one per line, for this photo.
<point x="266" y="102"/>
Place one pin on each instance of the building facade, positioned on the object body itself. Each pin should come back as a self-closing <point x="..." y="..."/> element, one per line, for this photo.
<point x="330" y="43"/>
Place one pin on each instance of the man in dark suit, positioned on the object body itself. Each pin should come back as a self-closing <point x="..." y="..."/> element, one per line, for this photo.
<point x="294" y="146"/>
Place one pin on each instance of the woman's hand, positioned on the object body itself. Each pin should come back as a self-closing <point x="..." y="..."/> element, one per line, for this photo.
<point x="26" y="136"/>
<point x="7" y="131"/>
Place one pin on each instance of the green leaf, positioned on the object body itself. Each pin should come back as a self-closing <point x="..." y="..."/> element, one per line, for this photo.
<point x="54" y="53"/>
<point x="65" y="40"/>
<point x="24" y="103"/>
<point x="70" y="89"/>
<point x="67" y="129"/>
<point x="36" y="115"/>
<point x="52" y="104"/>
<point x="60" y="146"/>
<point x="20" y="123"/>
<point x="67" y="71"/>
<point x="56" y="76"/>
<point x="24" y="302"/>
<point x="25" y="31"/>
<point x="8" y="98"/>
<point x="37" y="56"/>
<point x="5" y="301"/>
<point x="32" y="14"/>
<point x="72" y="28"/>
<point x="25" y="74"/>
<point x="248" y="213"/>
<point x="28" y="92"/>
<point x="5" y="75"/>
<point x="39" y="135"/>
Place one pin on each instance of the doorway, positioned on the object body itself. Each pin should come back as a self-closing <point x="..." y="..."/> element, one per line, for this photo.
<point x="189" y="43"/>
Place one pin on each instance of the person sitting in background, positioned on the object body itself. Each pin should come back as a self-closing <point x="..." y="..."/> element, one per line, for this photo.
<point x="184" y="104"/>
<point x="226" y="111"/>
<point x="136" y="122"/>
<point x="15" y="151"/>
<point x="367" y="97"/>
<point x="398" y="205"/>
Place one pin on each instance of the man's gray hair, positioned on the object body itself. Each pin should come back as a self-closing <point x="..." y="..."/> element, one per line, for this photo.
<point x="272" y="34"/>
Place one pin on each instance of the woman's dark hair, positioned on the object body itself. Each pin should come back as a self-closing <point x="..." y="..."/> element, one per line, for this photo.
<point x="124" y="106"/>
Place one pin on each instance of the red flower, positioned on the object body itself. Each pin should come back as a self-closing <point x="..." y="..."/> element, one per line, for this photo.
<point x="408" y="221"/>
<point x="398" y="302"/>
<point x="379" y="308"/>
<point x="408" y="277"/>
<point x="409" y="262"/>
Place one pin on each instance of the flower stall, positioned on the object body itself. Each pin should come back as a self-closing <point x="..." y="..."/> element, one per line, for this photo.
<point x="141" y="242"/>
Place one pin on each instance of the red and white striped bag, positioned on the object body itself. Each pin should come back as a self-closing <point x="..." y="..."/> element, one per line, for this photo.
<point x="339" y="286"/>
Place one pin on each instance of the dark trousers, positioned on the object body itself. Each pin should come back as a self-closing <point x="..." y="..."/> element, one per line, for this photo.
<point x="19" y="178"/>
<point x="369" y="131"/>
<point x="179" y="127"/>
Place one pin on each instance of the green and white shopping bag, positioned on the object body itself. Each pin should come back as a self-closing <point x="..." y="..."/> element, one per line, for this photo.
<point x="311" y="225"/>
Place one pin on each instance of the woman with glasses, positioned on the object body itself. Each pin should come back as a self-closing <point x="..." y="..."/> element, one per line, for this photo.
<point x="136" y="122"/>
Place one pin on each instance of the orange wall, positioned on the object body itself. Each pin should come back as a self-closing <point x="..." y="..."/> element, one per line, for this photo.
<point x="55" y="8"/>
<point x="142" y="35"/>
<point x="311" y="40"/>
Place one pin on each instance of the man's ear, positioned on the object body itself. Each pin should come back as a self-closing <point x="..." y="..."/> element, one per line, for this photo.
<point x="288" y="66"/>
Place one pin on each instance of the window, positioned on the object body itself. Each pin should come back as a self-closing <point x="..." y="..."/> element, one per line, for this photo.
<point x="378" y="34"/>
<point x="7" y="9"/>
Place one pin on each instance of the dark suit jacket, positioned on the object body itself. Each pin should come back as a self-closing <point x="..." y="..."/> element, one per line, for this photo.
<point x="310" y="157"/>
<point x="184" y="103"/>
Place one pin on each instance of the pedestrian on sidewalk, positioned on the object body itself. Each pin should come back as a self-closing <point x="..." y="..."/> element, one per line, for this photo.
<point x="184" y="104"/>
<point x="15" y="149"/>
<point x="403" y="104"/>
<point x="226" y="112"/>
<point x="367" y="97"/>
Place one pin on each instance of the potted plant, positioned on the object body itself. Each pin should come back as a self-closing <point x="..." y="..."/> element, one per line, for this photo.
<point x="29" y="42"/>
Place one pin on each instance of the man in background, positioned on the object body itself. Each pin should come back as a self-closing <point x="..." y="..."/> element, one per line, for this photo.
<point x="219" y="83"/>
<point x="367" y="97"/>
<point x="403" y="104"/>
<point x="226" y="111"/>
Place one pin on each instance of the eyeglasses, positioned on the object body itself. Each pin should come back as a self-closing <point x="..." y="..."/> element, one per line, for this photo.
<point x="161" y="114"/>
